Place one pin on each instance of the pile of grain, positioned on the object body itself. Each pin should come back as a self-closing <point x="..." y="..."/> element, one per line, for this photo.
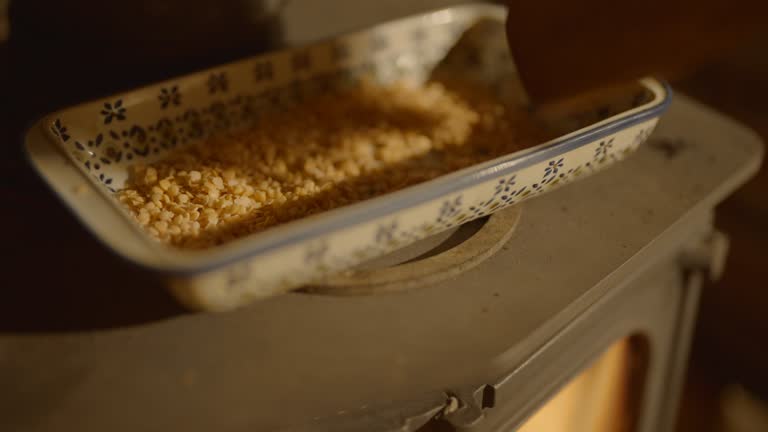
<point x="327" y="152"/>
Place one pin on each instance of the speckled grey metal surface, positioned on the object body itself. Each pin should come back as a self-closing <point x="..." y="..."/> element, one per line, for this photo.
<point x="305" y="361"/>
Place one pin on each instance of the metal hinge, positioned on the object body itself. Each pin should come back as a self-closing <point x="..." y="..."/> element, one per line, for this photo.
<point x="707" y="255"/>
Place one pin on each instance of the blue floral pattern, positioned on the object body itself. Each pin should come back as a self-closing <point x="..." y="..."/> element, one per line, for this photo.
<point x="113" y="111"/>
<point x="603" y="150"/>
<point x="169" y="96"/>
<point x="552" y="168"/>
<point x="385" y="233"/>
<point x="451" y="212"/>
<point x="194" y="124"/>
<point x="59" y="130"/>
<point x="641" y="136"/>
<point x="218" y="83"/>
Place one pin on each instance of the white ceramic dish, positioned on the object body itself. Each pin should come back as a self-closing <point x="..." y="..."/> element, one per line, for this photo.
<point x="83" y="153"/>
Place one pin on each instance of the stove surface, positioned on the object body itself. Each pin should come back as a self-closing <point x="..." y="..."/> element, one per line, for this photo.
<point x="310" y="360"/>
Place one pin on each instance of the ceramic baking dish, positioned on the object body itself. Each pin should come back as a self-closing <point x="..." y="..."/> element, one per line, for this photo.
<point x="83" y="153"/>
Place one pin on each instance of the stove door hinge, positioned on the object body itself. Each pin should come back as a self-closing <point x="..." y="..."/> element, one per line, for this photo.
<point x="707" y="256"/>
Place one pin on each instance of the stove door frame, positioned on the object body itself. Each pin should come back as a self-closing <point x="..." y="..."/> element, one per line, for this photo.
<point x="656" y="306"/>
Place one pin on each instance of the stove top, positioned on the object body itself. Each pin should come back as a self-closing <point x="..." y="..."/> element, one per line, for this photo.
<point x="387" y="361"/>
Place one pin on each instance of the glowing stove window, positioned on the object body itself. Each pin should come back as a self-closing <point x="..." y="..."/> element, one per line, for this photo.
<point x="603" y="398"/>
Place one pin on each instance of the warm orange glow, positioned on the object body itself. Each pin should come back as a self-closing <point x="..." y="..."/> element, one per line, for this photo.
<point x="597" y="400"/>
